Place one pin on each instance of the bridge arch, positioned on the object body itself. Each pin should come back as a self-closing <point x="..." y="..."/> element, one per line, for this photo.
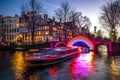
<point x="82" y="39"/>
<point x="98" y="44"/>
<point x="60" y="44"/>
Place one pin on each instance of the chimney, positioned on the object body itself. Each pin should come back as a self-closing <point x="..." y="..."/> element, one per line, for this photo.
<point x="45" y="18"/>
<point x="53" y="18"/>
<point x="60" y="20"/>
<point x="16" y="15"/>
<point x="95" y="29"/>
<point x="40" y="18"/>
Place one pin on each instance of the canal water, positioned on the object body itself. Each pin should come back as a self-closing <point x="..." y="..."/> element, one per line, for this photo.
<point x="86" y="66"/>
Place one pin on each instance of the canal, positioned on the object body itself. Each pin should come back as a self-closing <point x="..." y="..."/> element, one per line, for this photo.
<point x="86" y="66"/>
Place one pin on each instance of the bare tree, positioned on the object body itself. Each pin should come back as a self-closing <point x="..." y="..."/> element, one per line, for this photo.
<point x="81" y="21"/>
<point x="99" y="36"/>
<point x="64" y="11"/>
<point x="58" y="14"/>
<point x="110" y="18"/>
<point x="99" y="33"/>
<point x="33" y="6"/>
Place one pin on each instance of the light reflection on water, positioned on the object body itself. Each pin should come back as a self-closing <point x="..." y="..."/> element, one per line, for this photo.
<point x="53" y="73"/>
<point x="86" y="66"/>
<point x="18" y="65"/>
<point x="82" y="66"/>
<point x="115" y="75"/>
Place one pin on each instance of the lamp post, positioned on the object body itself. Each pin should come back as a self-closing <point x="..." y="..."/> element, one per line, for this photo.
<point x="113" y="35"/>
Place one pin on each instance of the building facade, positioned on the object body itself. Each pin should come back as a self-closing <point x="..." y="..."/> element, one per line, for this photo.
<point x="11" y="25"/>
<point x="2" y="30"/>
<point x="22" y="30"/>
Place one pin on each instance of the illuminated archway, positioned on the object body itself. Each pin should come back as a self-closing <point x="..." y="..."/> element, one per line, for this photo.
<point x="18" y="39"/>
<point x="82" y="39"/>
<point x="60" y="44"/>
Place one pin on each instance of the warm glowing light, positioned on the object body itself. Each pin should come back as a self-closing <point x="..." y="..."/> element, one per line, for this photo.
<point x="114" y="69"/>
<point x="18" y="65"/>
<point x="22" y="24"/>
<point x="46" y="32"/>
<point x="46" y="27"/>
<point x="79" y="49"/>
<point x="18" y="36"/>
<point x="82" y="39"/>
<point x="17" y="25"/>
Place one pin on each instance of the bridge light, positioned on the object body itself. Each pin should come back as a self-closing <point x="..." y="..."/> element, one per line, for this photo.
<point x="82" y="39"/>
<point x="79" y="49"/>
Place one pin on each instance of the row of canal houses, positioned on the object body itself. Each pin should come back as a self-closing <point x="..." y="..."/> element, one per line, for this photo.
<point x="18" y="29"/>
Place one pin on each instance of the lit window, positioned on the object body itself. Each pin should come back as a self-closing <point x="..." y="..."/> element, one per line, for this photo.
<point x="17" y="25"/>
<point x="46" y="32"/>
<point x="39" y="33"/>
<point x="46" y="27"/>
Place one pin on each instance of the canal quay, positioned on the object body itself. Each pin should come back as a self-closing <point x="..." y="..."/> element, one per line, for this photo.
<point x="85" y="66"/>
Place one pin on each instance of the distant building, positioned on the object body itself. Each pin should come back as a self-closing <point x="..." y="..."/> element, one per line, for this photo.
<point x="11" y="28"/>
<point x="18" y="29"/>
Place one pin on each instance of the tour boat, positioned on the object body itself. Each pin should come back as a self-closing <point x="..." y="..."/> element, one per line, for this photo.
<point x="52" y="55"/>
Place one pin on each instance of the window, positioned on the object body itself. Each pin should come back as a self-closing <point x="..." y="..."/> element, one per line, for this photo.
<point x="54" y="29"/>
<point x="39" y="33"/>
<point x="46" y="27"/>
<point x="46" y="32"/>
<point x="54" y="34"/>
<point x="40" y="27"/>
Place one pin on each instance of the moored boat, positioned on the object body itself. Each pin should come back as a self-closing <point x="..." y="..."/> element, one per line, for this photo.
<point x="49" y="56"/>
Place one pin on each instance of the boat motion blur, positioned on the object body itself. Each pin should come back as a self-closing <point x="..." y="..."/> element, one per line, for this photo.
<point x="47" y="56"/>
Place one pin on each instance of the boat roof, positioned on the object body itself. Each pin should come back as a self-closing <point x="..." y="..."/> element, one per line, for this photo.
<point x="56" y="49"/>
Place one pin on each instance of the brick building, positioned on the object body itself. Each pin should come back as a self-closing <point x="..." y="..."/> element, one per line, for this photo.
<point x="18" y="29"/>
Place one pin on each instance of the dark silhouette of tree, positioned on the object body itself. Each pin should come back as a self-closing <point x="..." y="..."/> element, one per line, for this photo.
<point x="99" y="35"/>
<point x="81" y="21"/>
<point x="119" y="39"/>
<point x="67" y="13"/>
<point x="33" y="6"/>
<point x="110" y="18"/>
<point x="64" y="11"/>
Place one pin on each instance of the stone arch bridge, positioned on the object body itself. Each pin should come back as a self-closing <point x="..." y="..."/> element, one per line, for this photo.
<point x="82" y="41"/>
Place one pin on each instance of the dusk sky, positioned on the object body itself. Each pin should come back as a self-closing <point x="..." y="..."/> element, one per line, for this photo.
<point x="90" y="8"/>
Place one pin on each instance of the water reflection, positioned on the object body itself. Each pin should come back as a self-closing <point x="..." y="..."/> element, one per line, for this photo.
<point x="103" y="52"/>
<point x="114" y="70"/>
<point x="34" y="76"/>
<point x="18" y="65"/>
<point x="104" y="55"/>
<point x="82" y="66"/>
<point x="38" y="73"/>
<point x="53" y="73"/>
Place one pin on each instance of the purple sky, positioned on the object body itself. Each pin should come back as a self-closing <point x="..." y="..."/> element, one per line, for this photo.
<point x="90" y="8"/>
